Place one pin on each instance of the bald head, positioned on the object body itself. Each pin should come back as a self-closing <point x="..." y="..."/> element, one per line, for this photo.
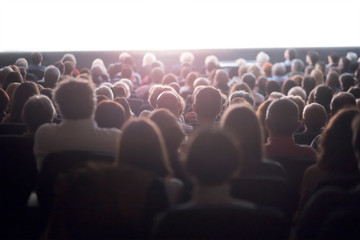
<point x="170" y="101"/>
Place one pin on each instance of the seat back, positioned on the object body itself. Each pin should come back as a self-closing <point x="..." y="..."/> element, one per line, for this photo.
<point x="221" y="222"/>
<point x="61" y="162"/>
<point x="263" y="190"/>
<point x="12" y="128"/>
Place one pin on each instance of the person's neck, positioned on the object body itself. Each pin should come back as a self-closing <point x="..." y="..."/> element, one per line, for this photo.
<point x="203" y="121"/>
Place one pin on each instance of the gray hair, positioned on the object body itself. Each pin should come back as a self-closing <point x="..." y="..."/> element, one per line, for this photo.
<point x="106" y="91"/>
<point x="262" y="58"/>
<point x="297" y="91"/>
<point x="22" y="62"/>
<point x="297" y="65"/>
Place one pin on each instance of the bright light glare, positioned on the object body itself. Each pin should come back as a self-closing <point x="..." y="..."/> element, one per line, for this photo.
<point x="79" y="25"/>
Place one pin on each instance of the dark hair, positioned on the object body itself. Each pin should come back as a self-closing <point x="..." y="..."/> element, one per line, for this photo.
<point x="323" y="95"/>
<point x="249" y="79"/>
<point x="355" y="91"/>
<point x="169" y="78"/>
<point x="75" y="99"/>
<point x="308" y="84"/>
<point x="4" y="101"/>
<point x="347" y="81"/>
<point x="11" y="78"/>
<point x="69" y="67"/>
<point x="336" y="152"/>
<point x="342" y="100"/>
<point x="282" y="116"/>
<point x="287" y="85"/>
<point x="110" y="114"/>
<point x="36" y="58"/>
<point x="38" y="110"/>
<point x="213" y="157"/>
<point x="314" y="116"/>
<point x="208" y="102"/>
<point x="157" y="75"/>
<point x="125" y="103"/>
<point x="272" y="86"/>
<point x="314" y="57"/>
<point x="141" y="145"/>
<point x="292" y="53"/>
<point x="242" y="121"/>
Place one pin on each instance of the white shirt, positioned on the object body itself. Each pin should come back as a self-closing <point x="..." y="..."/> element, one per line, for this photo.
<point x="82" y="135"/>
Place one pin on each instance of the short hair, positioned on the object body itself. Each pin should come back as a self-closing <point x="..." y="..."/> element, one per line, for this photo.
<point x="38" y="110"/>
<point x="242" y="122"/>
<point x="256" y="70"/>
<point x="262" y="58"/>
<point x="249" y="79"/>
<point x="51" y="76"/>
<point x="297" y="65"/>
<point x="121" y="89"/>
<point x="208" y="102"/>
<point x="323" y="95"/>
<point x="69" y="67"/>
<point x="124" y="102"/>
<point x="190" y="78"/>
<point x="60" y="66"/>
<point x="314" y="57"/>
<point x="211" y="59"/>
<point x="157" y="75"/>
<point x="314" y="116"/>
<point x="106" y="91"/>
<point x="283" y="116"/>
<point x="36" y="58"/>
<point x="347" y="81"/>
<point x="287" y="85"/>
<point x="240" y="86"/>
<point x="272" y="86"/>
<point x="11" y="78"/>
<point x="292" y="53"/>
<point x="201" y="81"/>
<point x="297" y="91"/>
<point x="68" y="57"/>
<point x="278" y="69"/>
<point x="276" y="95"/>
<point x="4" y="101"/>
<point x="169" y="78"/>
<point x="169" y="100"/>
<point x="342" y="100"/>
<point x="242" y="94"/>
<point x="110" y="114"/>
<point x="213" y="157"/>
<point x="355" y="91"/>
<point x="300" y="103"/>
<point x="142" y="145"/>
<point x="334" y="57"/>
<point x="352" y="56"/>
<point x="318" y="75"/>
<point x="221" y="79"/>
<point x="75" y="99"/>
<point x="148" y="59"/>
<point x="267" y="67"/>
<point x="187" y="57"/>
<point x="22" y="62"/>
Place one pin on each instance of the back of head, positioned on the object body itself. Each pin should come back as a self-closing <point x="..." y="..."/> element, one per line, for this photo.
<point x="38" y="110"/>
<point x="278" y="69"/>
<point x="11" y="78"/>
<point x="75" y="99"/>
<point x="272" y="86"/>
<point x="336" y="152"/>
<point x="69" y="57"/>
<point x="282" y="117"/>
<point x="323" y="95"/>
<point x="157" y="75"/>
<point x="213" y="157"/>
<point x="298" y="91"/>
<point x="244" y="95"/>
<point x="4" y="101"/>
<point x="170" y="101"/>
<point x="242" y="121"/>
<point x="22" y="62"/>
<point x="342" y="100"/>
<point x="313" y="57"/>
<point x="297" y="65"/>
<point x="141" y="145"/>
<point x="169" y="78"/>
<point x="332" y="80"/>
<point x="51" y="76"/>
<point x="309" y="84"/>
<point x="106" y="91"/>
<point x="21" y="95"/>
<point x="262" y="58"/>
<point x="249" y="79"/>
<point x="346" y="81"/>
<point x="110" y="114"/>
<point x="69" y="67"/>
<point x="287" y="85"/>
<point x="314" y="116"/>
<point x="221" y="79"/>
<point x="208" y="102"/>
<point x="318" y="75"/>
<point x="355" y="91"/>
<point x="36" y="58"/>
<point x="148" y="59"/>
<point x="187" y="58"/>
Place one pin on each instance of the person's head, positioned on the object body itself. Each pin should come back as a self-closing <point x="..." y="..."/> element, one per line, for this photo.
<point x="124" y="102"/>
<point x="332" y="80"/>
<point x="250" y="80"/>
<point x="298" y="79"/>
<point x="352" y="56"/>
<point x="355" y="91"/>
<point x="242" y="121"/>
<point x="69" y="67"/>
<point x="282" y="117"/>
<point x="211" y="62"/>
<point x="22" y="62"/>
<point x="169" y="78"/>
<point x="69" y="57"/>
<point x="22" y="93"/>
<point x="320" y="65"/>
<point x="287" y="85"/>
<point x="38" y="110"/>
<point x="272" y="86"/>
<point x="187" y="58"/>
<point x="336" y="153"/>
<point x="213" y="157"/>
<point x="323" y="95"/>
<point x="314" y="117"/>
<point x="36" y="58"/>
<point x="278" y="69"/>
<point x="11" y="78"/>
<point x="201" y="82"/>
<point x="221" y="79"/>
<point x="318" y="75"/>
<point x="342" y="100"/>
<point x="308" y="84"/>
<point x="344" y="63"/>
<point x="121" y="89"/>
<point x="333" y="58"/>
<point x="141" y="145"/>
<point x="312" y="57"/>
<point x="267" y="68"/>
<point x="157" y="75"/>
<point x="290" y="54"/>
<point x="241" y="86"/>
<point x="242" y="94"/>
<point x="262" y="58"/>
<point x="207" y="103"/>
<point x="261" y="84"/>
<point x="300" y="103"/>
<point x="4" y="101"/>
<point x="170" y="101"/>
<point x="60" y="66"/>
<point x="51" y="76"/>
<point x="256" y="70"/>
<point x="148" y="59"/>
<point x="346" y="81"/>
<point x="297" y="65"/>
<point x="106" y="91"/>
<point x="109" y="114"/>
<point x="75" y="99"/>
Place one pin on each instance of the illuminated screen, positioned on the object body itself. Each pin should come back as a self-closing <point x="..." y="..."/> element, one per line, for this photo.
<point x="80" y="25"/>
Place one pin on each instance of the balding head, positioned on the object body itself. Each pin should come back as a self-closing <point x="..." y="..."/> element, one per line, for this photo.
<point x="170" y="101"/>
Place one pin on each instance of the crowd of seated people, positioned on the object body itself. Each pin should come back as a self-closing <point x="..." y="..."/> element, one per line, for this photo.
<point x="176" y="141"/>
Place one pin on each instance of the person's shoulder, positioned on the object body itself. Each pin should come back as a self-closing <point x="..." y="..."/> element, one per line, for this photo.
<point x="108" y="131"/>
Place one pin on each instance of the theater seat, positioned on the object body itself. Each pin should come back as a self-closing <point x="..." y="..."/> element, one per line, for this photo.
<point x="221" y="222"/>
<point x="61" y="162"/>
